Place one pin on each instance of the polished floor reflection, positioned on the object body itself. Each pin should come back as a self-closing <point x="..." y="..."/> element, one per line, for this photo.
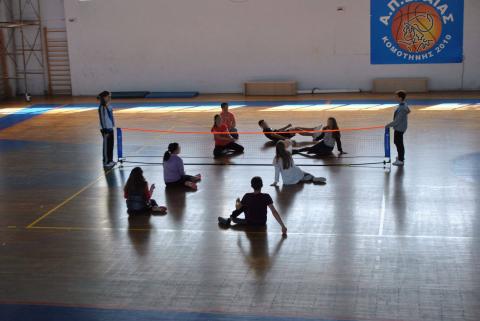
<point x="371" y="244"/>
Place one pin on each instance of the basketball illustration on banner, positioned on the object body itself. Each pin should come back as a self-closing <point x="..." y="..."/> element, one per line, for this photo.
<point x="404" y="32"/>
<point x="417" y="27"/>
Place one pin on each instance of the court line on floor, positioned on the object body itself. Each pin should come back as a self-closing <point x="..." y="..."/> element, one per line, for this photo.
<point x="72" y="228"/>
<point x="66" y="201"/>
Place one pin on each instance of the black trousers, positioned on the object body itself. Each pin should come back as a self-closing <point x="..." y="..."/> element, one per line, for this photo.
<point x="181" y="182"/>
<point x="219" y="150"/>
<point x="145" y="210"/>
<point x="319" y="149"/>
<point x="242" y="221"/>
<point x="108" y="142"/>
<point x="398" y="141"/>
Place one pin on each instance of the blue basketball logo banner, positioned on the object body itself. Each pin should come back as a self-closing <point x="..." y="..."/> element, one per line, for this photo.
<point x="416" y="31"/>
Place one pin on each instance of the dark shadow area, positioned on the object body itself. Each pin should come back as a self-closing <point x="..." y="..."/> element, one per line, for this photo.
<point x="139" y="228"/>
<point x="256" y="253"/>
<point x="176" y="201"/>
<point x="286" y="195"/>
<point x="399" y="200"/>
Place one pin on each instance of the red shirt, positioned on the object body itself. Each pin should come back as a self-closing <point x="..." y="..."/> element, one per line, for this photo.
<point x="222" y="129"/>
<point x="228" y="119"/>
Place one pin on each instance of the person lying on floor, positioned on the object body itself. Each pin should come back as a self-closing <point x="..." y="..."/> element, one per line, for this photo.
<point x="254" y="206"/>
<point x="276" y="135"/>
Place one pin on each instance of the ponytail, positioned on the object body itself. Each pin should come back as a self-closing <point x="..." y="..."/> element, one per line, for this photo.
<point x="171" y="148"/>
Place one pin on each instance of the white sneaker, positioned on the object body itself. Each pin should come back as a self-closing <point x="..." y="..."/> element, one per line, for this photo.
<point x="398" y="163"/>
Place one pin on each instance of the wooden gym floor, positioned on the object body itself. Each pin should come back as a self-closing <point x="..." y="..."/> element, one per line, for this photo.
<point x="372" y="244"/>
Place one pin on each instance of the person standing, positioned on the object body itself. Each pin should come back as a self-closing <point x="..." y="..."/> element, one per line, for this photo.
<point x="400" y="125"/>
<point x="107" y="124"/>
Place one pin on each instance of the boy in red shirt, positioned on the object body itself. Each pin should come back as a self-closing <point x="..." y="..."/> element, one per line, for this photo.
<point x="223" y="142"/>
<point x="229" y="119"/>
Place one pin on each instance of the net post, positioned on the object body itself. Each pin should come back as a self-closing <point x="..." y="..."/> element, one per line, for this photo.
<point x="120" y="146"/>
<point x="387" y="159"/>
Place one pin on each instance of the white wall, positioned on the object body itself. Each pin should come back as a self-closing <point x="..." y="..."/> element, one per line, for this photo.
<point x="216" y="45"/>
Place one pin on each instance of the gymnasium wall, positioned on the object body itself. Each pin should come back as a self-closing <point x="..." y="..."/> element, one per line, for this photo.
<point x="216" y="45"/>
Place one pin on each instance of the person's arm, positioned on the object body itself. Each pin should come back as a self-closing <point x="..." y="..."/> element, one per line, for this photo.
<point x="284" y="128"/>
<point x="149" y="192"/>
<point x="277" y="172"/>
<point x="339" y="142"/>
<point x="100" y="116"/>
<point x="234" y="122"/>
<point x="223" y="138"/>
<point x="278" y="218"/>
<point x="181" y="168"/>
<point x="277" y="136"/>
<point x="396" y="119"/>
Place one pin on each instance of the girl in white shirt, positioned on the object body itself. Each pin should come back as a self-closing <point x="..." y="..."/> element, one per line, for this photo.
<point x="291" y="174"/>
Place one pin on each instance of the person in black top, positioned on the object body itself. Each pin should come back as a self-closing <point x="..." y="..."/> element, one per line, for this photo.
<point x="254" y="205"/>
<point x="276" y="135"/>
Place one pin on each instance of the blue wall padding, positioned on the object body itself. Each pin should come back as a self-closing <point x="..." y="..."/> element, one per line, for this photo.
<point x="185" y="94"/>
<point x="129" y="94"/>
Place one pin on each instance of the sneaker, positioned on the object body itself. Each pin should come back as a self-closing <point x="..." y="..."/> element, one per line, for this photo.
<point x="308" y="178"/>
<point x="224" y="221"/>
<point x="160" y="209"/>
<point x="319" y="180"/>
<point x="110" y="164"/>
<point x="398" y="163"/>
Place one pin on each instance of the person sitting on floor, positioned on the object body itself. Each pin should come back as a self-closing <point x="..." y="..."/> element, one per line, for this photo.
<point x="224" y="142"/>
<point x="229" y="119"/>
<point x="173" y="169"/>
<point x="326" y="141"/>
<point x="139" y="196"/>
<point x="291" y="173"/>
<point x="254" y="206"/>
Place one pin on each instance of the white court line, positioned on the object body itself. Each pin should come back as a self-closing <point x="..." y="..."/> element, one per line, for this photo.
<point x="151" y="109"/>
<point x="351" y="107"/>
<point x="446" y="106"/>
<point x="203" y="109"/>
<point x="276" y="232"/>
<point x="285" y="108"/>
<point x="382" y="215"/>
<point x="319" y="107"/>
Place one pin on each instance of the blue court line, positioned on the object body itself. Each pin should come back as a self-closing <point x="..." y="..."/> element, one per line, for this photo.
<point x="24" y="114"/>
<point x="279" y="102"/>
<point x="20" y="312"/>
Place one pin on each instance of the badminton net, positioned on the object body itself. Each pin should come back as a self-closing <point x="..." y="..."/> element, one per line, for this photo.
<point x="370" y="145"/>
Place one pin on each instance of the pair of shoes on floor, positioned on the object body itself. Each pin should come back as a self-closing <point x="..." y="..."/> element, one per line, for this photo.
<point x="110" y="164"/>
<point x="224" y="221"/>
<point x="159" y="209"/>
<point x="319" y="180"/>
<point x="398" y="162"/>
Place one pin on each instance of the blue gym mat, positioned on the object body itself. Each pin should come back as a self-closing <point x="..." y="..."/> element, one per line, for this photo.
<point x="186" y="94"/>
